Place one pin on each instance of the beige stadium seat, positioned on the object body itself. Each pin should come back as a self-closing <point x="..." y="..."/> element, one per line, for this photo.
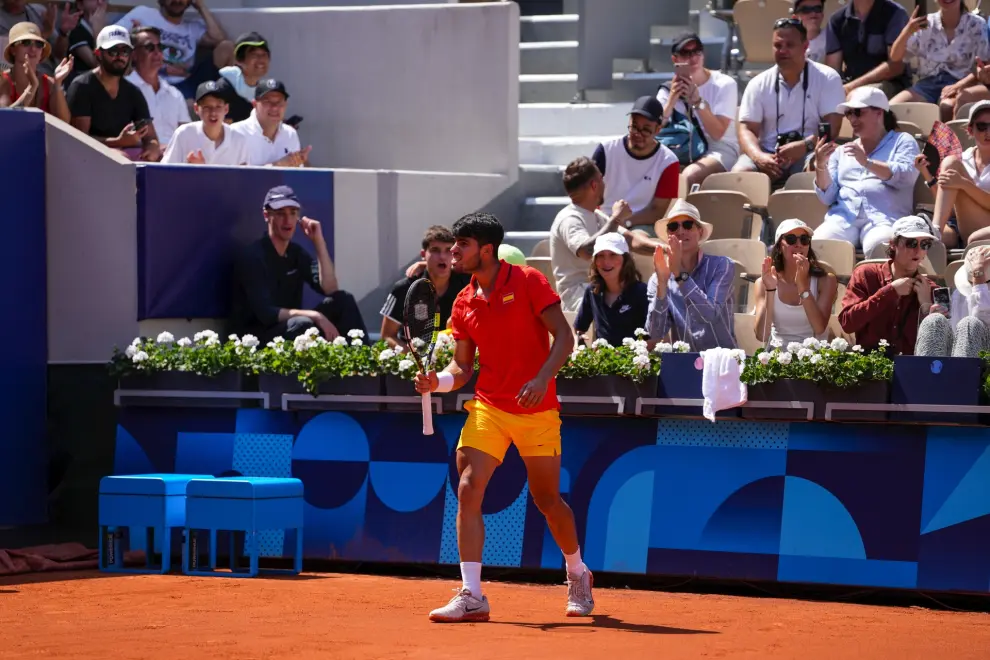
<point x="835" y="330"/>
<point x="958" y="127"/>
<point x="644" y="265"/>
<point x="838" y="254"/>
<point x="962" y="112"/>
<point x="845" y="131"/>
<point x="755" y="19"/>
<point x="949" y="275"/>
<point x="801" y="204"/>
<point x="725" y="210"/>
<point x="924" y="198"/>
<point x="755" y="185"/>
<point x="840" y="293"/>
<point x="542" y="264"/>
<point x="800" y="181"/>
<point x="541" y="249"/>
<point x="748" y="255"/>
<point x="924" y="115"/>
<point x="745" y="335"/>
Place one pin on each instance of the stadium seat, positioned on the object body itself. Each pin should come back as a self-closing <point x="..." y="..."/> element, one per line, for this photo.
<point x="644" y="265"/>
<point x="912" y="129"/>
<point x="803" y="204"/>
<point x="800" y="181"/>
<point x="755" y="185"/>
<point x="838" y="254"/>
<point x="923" y="114"/>
<point x="924" y="198"/>
<point x="949" y="275"/>
<point x="543" y="265"/>
<point x="725" y="210"/>
<point x="541" y="249"/>
<point x="755" y="19"/>
<point x="835" y="330"/>
<point x="958" y="127"/>
<point x="745" y="334"/>
<point x="241" y="504"/>
<point x="748" y="256"/>
<point x="962" y="112"/>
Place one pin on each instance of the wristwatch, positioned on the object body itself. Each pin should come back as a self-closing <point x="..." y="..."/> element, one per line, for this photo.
<point x="809" y="144"/>
<point x="805" y="295"/>
<point x="683" y="277"/>
<point x="700" y="105"/>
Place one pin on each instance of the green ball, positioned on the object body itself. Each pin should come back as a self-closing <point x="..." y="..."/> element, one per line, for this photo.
<point x="510" y="254"/>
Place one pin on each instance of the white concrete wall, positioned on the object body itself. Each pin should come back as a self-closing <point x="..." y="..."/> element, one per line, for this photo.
<point x="417" y="87"/>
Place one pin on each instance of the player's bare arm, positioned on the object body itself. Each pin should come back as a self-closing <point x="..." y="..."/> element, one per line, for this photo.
<point x="532" y="393"/>
<point x="461" y="367"/>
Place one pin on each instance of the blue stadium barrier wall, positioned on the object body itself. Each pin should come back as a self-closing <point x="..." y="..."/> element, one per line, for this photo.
<point x="191" y="221"/>
<point x="24" y="335"/>
<point x="892" y="506"/>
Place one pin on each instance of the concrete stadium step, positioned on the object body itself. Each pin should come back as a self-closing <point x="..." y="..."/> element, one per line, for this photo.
<point x="562" y="87"/>
<point x="548" y="57"/>
<point x="541" y="180"/>
<point x="559" y="150"/>
<point x="539" y="212"/>
<point x="566" y="119"/>
<point x="554" y="27"/>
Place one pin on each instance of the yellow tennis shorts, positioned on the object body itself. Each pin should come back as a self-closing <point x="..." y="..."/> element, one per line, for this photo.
<point x="490" y="430"/>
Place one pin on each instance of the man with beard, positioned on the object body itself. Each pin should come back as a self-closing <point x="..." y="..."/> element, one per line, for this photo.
<point x="269" y="276"/>
<point x="107" y="107"/>
<point x="507" y="314"/>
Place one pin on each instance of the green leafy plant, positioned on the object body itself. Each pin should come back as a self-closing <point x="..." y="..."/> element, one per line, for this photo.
<point x="396" y="361"/>
<point x="632" y="360"/>
<point x="836" y="363"/>
<point x="204" y="355"/>
<point x="314" y="360"/>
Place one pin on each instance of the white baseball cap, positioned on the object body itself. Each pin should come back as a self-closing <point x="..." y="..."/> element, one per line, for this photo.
<point x="683" y="209"/>
<point x="787" y="226"/>
<point x="113" y="35"/>
<point x="865" y="97"/>
<point x="913" y="226"/>
<point x="977" y="108"/>
<point x="610" y="242"/>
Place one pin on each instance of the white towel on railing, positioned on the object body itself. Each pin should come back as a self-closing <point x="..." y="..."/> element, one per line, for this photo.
<point x="720" y="381"/>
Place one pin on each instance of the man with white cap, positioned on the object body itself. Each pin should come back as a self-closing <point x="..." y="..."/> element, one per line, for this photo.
<point x="884" y="301"/>
<point x="963" y="330"/>
<point x="691" y="293"/>
<point x="615" y="298"/>
<point x="867" y="183"/>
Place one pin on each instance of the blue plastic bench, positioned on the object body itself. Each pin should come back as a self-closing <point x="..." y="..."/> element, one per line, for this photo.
<point x="154" y="503"/>
<point x="240" y="504"/>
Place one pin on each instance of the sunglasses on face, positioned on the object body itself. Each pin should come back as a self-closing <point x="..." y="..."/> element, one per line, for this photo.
<point x="118" y="51"/>
<point x="813" y="9"/>
<point x="912" y="243"/>
<point x="150" y="48"/>
<point x="792" y="239"/>
<point x="692" y="52"/>
<point x="672" y="226"/>
<point x="981" y="126"/>
<point x="28" y="43"/>
<point x="854" y="112"/>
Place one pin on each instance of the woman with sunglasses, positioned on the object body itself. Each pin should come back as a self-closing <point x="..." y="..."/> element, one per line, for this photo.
<point x="963" y="330"/>
<point x="869" y="182"/>
<point x="795" y="294"/>
<point x="24" y="86"/>
<point x="962" y="197"/>
<point x="946" y="44"/>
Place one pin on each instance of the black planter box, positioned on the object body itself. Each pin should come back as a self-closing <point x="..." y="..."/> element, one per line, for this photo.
<point x="276" y="385"/>
<point x="785" y="389"/>
<point x="871" y="391"/>
<point x="940" y="381"/>
<point x="228" y="381"/>
<point x="604" y="386"/>
<point x="680" y="378"/>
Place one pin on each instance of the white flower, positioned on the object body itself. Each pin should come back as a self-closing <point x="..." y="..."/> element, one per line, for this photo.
<point x="639" y="345"/>
<point x="405" y="365"/>
<point x="302" y="343"/>
<point x="249" y="341"/>
<point x="357" y="342"/>
<point x="628" y="341"/>
<point x="804" y="353"/>
<point x="387" y="354"/>
<point x="232" y="337"/>
<point x="340" y="341"/>
<point x="884" y="343"/>
<point x="764" y="358"/>
<point x="417" y="343"/>
<point x="663" y="347"/>
<point x="213" y="341"/>
<point x="311" y="332"/>
<point x="443" y="339"/>
<point x="355" y="334"/>
<point x="793" y="347"/>
<point x="641" y="332"/>
<point x="601" y="343"/>
<point x="739" y="355"/>
<point x="816" y="358"/>
<point x="641" y="361"/>
<point x="581" y="348"/>
<point x="785" y="357"/>
<point x="136" y="342"/>
<point x="857" y="349"/>
<point x="811" y="343"/>
<point x="165" y="338"/>
<point x="131" y="350"/>
<point x="206" y="335"/>
<point x="140" y="356"/>
<point x="185" y="341"/>
<point x="839" y="344"/>
<point x="399" y="350"/>
<point x="278" y="340"/>
<point x="681" y="347"/>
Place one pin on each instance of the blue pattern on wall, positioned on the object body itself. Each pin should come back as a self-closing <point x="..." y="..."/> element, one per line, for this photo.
<point x="904" y="506"/>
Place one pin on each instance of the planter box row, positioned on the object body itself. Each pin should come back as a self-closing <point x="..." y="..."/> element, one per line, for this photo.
<point x="943" y="382"/>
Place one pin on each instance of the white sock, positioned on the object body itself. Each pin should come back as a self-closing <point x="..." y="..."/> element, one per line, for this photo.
<point x="575" y="566"/>
<point x="471" y="577"/>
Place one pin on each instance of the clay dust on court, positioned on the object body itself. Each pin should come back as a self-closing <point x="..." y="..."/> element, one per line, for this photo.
<point x="354" y="616"/>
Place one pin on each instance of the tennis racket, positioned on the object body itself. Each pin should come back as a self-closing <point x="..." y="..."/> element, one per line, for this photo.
<point x="421" y="318"/>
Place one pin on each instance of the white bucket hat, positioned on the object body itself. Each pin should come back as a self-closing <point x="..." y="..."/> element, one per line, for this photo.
<point x="683" y="209"/>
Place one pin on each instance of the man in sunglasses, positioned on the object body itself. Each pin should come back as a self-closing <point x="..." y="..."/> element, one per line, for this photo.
<point x="783" y="106"/>
<point x="166" y="104"/>
<point x="885" y="301"/>
<point x="690" y="293"/>
<point x="107" y="107"/>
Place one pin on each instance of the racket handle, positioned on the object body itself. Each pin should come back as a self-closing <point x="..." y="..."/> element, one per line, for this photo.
<point x="427" y="414"/>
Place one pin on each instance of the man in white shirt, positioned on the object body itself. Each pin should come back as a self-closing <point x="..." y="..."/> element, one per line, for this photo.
<point x="579" y="224"/>
<point x="209" y="141"/>
<point x="166" y="105"/>
<point x="270" y="142"/>
<point x="180" y="37"/>
<point x="783" y="106"/>
<point x="639" y="169"/>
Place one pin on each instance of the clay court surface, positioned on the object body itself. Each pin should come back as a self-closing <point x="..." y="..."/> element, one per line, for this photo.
<point x="355" y="616"/>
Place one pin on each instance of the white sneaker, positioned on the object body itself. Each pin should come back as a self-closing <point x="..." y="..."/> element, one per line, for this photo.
<point x="579" y="599"/>
<point x="463" y="607"/>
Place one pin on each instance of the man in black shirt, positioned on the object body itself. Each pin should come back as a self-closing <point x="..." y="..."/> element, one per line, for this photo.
<point x="858" y="39"/>
<point x="269" y="276"/>
<point x="109" y="108"/>
<point x="436" y="254"/>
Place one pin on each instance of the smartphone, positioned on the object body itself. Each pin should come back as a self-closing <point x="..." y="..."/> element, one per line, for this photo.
<point x="922" y="10"/>
<point x="294" y="121"/>
<point x="141" y="123"/>
<point x="680" y="69"/>
<point x="825" y="131"/>
<point x="941" y="297"/>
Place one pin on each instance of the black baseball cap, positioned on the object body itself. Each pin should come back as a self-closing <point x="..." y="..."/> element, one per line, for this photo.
<point x="682" y="40"/>
<point x="649" y="107"/>
<point x="281" y="197"/>
<point x="250" y="40"/>
<point x="210" y="88"/>
<point x="269" y="85"/>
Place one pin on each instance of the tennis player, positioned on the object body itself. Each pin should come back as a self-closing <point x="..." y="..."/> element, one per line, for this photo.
<point x="507" y="313"/>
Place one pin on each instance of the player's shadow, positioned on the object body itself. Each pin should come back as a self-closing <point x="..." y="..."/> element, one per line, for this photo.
<point x="606" y="621"/>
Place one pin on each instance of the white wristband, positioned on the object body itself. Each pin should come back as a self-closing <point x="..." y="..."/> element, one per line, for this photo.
<point x="445" y="381"/>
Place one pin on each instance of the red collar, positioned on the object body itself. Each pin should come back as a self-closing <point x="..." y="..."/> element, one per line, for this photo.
<point x="501" y="279"/>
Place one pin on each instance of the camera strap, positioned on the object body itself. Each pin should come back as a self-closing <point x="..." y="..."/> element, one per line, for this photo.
<point x="804" y="96"/>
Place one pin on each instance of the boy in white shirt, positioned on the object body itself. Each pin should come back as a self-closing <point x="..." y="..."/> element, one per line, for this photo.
<point x="209" y="141"/>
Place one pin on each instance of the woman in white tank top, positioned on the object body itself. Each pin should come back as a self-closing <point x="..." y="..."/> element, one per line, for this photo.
<point x="795" y="294"/>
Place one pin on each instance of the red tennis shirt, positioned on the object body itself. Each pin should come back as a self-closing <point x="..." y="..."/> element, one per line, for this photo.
<point x="513" y="344"/>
